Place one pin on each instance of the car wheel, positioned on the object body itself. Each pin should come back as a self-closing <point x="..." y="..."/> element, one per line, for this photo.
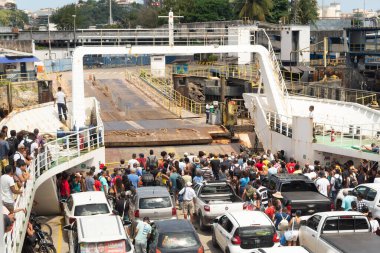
<point x="213" y="239"/>
<point x="201" y="224"/>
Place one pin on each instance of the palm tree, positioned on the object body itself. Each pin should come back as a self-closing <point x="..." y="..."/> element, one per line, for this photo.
<point x="255" y="9"/>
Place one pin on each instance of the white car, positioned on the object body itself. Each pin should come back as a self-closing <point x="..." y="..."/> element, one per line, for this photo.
<point x="85" y="204"/>
<point x="99" y="234"/>
<point x="243" y="231"/>
<point x="371" y="195"/>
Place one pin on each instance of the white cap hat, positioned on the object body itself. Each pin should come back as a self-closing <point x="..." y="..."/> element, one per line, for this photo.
<point x="189" y="184"/>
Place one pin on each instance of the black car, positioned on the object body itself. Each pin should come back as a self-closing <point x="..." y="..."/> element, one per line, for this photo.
<point x="299" y="193"/>
<point x="172" y="236"/>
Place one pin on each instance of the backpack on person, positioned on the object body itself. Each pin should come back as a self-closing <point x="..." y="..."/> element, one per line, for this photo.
<point x="151" y="161"/>
<point x="353" y="182"/>
<point x="338" y="184"/>
<point x="180" y="183"/>
<point x="284" y="223"/>
<point x="12" y="142"/>
<point x="236" y="170"/>
<point x="147" y="179"/>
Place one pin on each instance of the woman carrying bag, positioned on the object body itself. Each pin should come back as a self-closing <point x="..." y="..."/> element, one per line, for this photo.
<point x="291" y="235"/>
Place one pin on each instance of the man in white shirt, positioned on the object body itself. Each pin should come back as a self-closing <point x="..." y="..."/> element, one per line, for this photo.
<point x="188" y="200"/>
<point x="60" y="99"/>
<point x="7" y="185"/>
<point x="323" y="184"/>
<point x="132" y="161"/>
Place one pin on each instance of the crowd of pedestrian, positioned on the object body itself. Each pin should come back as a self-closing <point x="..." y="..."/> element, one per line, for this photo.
<point x="17" y="150"/>
<point x="245" y="173"/>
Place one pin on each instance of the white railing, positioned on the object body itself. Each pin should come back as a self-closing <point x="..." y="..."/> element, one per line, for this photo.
<point x="279" y="123"/>
<point x="276" y="66"/>
<point x="55" y="153"/>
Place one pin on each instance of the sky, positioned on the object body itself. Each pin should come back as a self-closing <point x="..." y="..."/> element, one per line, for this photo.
<point x="347" y="5"/>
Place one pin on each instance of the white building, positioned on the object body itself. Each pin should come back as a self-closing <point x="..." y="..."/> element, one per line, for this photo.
<point x="332" y="11"/>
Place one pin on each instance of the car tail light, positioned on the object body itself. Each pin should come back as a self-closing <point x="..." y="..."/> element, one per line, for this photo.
<point x="236" y="240"/>
<point x="332" y="206"/>
<point x="206" y="208"/>
<point x="174" y="211"/>
<point x="201" y="249"/>
<point x="276" y="238"/>
<point x="137" y="214"/>
<point x="71" y="220"/>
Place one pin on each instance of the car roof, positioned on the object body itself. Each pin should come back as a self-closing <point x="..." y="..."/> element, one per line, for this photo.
<point x="151" y="191"/>
<point x="291" y="177"/>
<point x="89" y="197"/>
<point x="339" y="213"/>
<point x="247" y="218"/>
<point x="375" y="186"/>
<point x="173" y="226"/>
<point x="93" y="228"/>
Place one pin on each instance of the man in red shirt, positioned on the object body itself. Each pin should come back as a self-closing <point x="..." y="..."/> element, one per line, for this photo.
<point x="259" y="164"/>
<point x="290" y="166"/>
<point x="270" y="210"/>
<point x="65" y="187"/>
<point x="97" y="183"/>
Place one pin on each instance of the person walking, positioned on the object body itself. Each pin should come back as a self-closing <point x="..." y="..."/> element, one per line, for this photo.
<point x="189" y="195"/>
<point x="142" y="235"/>
<point x="294" y="226"/>
<point x="207" y="113"/>
<point x="60" y="100"/>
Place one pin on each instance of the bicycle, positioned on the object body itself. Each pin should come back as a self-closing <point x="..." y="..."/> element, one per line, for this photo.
<point x="37" y="221"/>
<point x="43" y="241"/>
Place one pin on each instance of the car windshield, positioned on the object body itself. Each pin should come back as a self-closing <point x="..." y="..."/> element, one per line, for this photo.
<point x="177" y="240"/>
<point x="216" y="189"/>
<point x="152" y="203"/>
<point x="254" y="231"/>
<point x="298" y="186"/>
<point x="91" y="209"/>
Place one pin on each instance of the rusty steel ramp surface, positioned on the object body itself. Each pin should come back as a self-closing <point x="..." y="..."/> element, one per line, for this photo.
<point x="131" y="119"/>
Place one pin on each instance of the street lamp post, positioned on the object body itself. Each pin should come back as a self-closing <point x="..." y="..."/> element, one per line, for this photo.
<point x="49" y="37"/>
<point x="75" y="37"/>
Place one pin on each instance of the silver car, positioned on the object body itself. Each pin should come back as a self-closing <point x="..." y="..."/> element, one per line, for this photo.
<point x="154" y="202"/>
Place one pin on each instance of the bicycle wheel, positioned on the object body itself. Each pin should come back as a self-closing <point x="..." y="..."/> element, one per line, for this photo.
<point x="46" y="228"/>
<point x="47" y="248"/>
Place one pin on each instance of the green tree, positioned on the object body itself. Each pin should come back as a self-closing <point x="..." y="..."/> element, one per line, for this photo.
<point x="13" y="18"/>
<point x="279" y="11"/>
<point x="254" y="9"/>
<point x="211" y="10"/>
<point x="304" y="12"/>
<point x="198" y="10"/>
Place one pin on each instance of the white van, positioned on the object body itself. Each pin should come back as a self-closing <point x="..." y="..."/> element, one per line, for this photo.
<point x="103" y="233"/>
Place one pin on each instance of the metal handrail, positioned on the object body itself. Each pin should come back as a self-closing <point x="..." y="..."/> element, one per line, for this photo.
<point x="276" y="66"/>
<point x="167" y="90"/>
<point x="56" y="152"/>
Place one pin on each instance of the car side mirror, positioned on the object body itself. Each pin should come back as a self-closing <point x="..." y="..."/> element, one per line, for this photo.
<point x="216" y="220"/>
<point x="115" y="212"/>
<point x="68" y="228"/>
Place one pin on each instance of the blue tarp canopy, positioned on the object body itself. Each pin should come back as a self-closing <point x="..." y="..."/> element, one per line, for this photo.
<point x="15" y="59"/>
